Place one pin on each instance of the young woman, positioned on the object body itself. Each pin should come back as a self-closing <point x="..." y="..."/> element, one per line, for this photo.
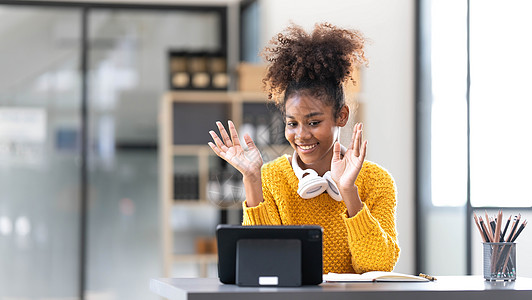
<point x="323" y="182"/>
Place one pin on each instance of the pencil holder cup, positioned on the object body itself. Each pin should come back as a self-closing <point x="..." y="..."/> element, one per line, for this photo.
<point x="499" y="261"/>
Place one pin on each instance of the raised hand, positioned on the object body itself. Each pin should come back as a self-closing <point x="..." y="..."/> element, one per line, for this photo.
<point x="345" y="170"/>
<point x="229" y="148"/>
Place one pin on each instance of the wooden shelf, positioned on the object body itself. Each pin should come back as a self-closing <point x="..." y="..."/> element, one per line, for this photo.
<point x="203" y="202"/>
<point x="190" y="202"/>
<point x="202" y="260"/>
<point x="195" y="258"/>
<point x="203" y="157"/>
<point x="217" y="96"/>
<point x="193" y="150"/>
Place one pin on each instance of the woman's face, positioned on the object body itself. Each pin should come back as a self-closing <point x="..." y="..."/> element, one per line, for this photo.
<point x="311" y="128"/>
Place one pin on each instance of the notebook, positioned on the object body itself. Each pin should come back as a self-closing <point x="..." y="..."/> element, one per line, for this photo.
<point x="371" y="276"/>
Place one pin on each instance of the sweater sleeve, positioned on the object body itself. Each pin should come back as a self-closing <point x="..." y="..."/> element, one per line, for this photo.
<point x="372" y="234"/>
<point x="266" y="213"/>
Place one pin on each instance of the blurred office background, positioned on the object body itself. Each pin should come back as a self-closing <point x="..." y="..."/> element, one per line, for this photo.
<point x="444" y="103"/>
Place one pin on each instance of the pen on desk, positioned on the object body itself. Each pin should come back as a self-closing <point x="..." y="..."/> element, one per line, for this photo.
<point x="431" y="278"/>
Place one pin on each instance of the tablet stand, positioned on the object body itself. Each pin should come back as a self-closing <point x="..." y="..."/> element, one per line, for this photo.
<point x="268" y="262"/>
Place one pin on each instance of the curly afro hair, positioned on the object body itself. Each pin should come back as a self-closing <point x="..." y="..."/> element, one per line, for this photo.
<point x="318" y="63"/>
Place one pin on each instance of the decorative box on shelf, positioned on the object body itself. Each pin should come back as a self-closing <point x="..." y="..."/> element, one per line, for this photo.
<point x="201" y="70"/>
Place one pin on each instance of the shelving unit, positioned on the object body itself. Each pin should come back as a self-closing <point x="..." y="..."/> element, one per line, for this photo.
<point x="185" y="119"/>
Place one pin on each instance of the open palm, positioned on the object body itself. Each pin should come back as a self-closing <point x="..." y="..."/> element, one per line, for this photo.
<point x="229" y="148"/>
<point x="345" y="170"/>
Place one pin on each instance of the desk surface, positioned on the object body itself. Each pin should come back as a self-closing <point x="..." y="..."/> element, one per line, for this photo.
<point x="446" y="287"/>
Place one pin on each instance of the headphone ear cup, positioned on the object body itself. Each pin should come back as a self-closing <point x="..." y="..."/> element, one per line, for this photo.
<point x="332" y="188"/>
<point x="311" y="185"/>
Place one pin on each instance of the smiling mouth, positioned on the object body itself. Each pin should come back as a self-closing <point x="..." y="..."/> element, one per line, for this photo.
<point x="307" y="147"/>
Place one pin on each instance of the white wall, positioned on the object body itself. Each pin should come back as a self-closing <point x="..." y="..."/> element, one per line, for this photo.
<point x="387" y="86"/>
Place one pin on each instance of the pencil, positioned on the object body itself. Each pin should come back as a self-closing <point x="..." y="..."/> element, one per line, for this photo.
<point x="519" y="231"/>
<point x="488" y="225"/>
<point x="479" y="229"/>
<point x="514" y="228"/>
<point x="492" y="227"/>
<point x="504" y="267"/>
<point x="486" y="232"/>
<point x="497" y="235"/>
<point x="505" y="228"/>
<point x="483" y="227"/>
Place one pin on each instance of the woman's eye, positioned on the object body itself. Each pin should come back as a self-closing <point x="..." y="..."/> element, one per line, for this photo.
<point x="314" y="123"/>
<point x="291" y="124"/>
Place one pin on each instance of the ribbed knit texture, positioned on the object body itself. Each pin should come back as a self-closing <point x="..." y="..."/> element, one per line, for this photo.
<point x="364" y="242"/>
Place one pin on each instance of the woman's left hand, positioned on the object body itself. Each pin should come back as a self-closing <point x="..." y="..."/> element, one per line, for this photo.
<point x="345" y="170"/>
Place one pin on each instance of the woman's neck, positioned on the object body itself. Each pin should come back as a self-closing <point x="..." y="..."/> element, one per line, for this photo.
<point x="321" y="166"/>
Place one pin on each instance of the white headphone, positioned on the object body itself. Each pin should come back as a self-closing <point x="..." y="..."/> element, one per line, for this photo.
<point x="311" y="184"/>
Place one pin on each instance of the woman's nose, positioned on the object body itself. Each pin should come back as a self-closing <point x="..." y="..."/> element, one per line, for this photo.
<point x="302" y="132"/>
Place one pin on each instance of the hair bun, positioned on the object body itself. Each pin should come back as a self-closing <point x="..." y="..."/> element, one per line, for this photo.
<point x="328" y="53"/>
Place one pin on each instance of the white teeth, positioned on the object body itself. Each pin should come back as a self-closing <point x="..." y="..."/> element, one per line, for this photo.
<point x="307" y="147"/>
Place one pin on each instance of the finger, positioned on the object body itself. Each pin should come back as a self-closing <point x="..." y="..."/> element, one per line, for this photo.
<point x="361" y="133"/>
<point x="358" y="139"/>
<point x="216" y="150"/>
<point x="249" y="142"/>
<point x="352" y="143"/>
<point x="218" y="141"/>
<point x="223" y="133"/>
<point x="362" y="156"/>
<point x="253" y="153"/>
<point x="234" y="133"/>
<point x="337" y="151"/>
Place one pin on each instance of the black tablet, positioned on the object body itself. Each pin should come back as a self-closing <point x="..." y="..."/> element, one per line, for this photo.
<point x="310" y="238"/>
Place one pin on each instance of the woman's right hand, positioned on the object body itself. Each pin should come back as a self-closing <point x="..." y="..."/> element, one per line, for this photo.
<point x="229" y="148"/>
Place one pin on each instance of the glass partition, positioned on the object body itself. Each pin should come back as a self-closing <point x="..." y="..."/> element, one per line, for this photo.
<point x="40" y="143"/>
<point x="128" y="55"/>
<point x="39" y="152"/>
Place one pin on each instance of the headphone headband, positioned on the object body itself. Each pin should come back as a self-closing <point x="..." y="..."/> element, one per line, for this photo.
<point x="311" y="184"/>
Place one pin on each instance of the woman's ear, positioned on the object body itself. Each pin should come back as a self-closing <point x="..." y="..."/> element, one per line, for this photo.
<point x="343" y="116"/>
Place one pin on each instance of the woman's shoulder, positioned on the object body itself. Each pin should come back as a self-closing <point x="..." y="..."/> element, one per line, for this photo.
<point x="376" y="185"/>
<point x="278" y="172"/>
<point x="281" y="163"/>
<point x="374" y="171"/>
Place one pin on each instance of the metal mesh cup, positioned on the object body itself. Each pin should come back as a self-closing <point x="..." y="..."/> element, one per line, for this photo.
<point x="499" y="261"/>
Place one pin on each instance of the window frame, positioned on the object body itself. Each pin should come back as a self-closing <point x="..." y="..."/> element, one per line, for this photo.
<point x="423" y="106"/>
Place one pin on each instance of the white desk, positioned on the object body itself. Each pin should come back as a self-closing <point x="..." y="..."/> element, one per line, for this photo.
<point x="446" y="287"/>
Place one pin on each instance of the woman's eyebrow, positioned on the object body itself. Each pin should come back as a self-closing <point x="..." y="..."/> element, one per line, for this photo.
<point x="310" y="115"/>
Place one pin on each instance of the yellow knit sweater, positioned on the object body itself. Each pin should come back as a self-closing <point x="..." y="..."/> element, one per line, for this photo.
<point x="364" y="242"/>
